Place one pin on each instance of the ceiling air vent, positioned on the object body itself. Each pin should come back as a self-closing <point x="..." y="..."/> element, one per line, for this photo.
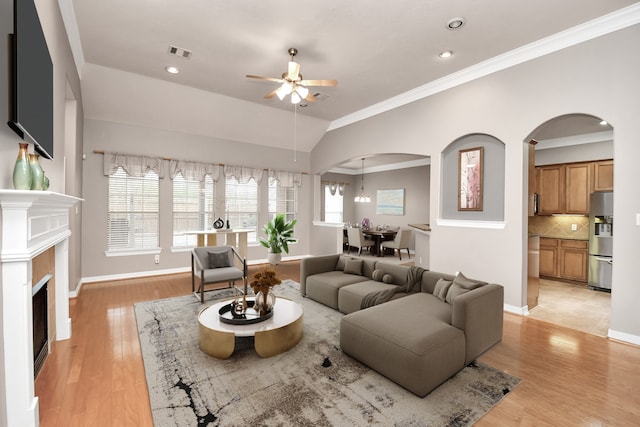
<point x="319" y="96"/>
<point x="178" y="51"/>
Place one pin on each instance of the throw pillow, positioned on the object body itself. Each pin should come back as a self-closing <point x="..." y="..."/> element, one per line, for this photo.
<point x="377" y="275"/>
<point x="388" y="279"/>
<point x="219" y="259"/>
<point x="341" y="262"/>
<point x="465" y="282"/>
<point x="353" y="266"/>
<point x="455" y="290"/>
<point x="441" y="289"/>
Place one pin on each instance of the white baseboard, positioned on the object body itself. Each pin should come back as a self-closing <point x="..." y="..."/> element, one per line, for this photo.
<point x="134" y="275"/>
<point x="522" y="311"/>
<point x="622" y="336"/>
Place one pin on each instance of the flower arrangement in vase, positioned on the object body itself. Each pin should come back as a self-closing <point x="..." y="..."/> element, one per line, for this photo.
<point x="262" y="281"/>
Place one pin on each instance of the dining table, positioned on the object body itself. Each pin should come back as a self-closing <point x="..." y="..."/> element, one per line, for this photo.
<point x="378" y="237"/>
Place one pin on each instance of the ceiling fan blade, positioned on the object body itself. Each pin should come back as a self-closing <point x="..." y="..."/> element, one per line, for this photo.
<point x="310" y="98"/>
<point x="270" y="95"/>
<point x="269" y="79"/>
<point x="293" y="72"/>
<point x="319" y="82"/>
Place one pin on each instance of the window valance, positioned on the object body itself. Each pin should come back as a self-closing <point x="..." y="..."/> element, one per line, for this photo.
<point x="137" y="166"/>
<point x="286" y="179"/>
<point x="193" y="171"/>
<point x="243" y="174"/>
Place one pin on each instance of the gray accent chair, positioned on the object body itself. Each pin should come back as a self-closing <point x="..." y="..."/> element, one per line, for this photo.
<point x="357" y="240"/>
<point x="401" y="241"/>
<point x="216" y="264"/>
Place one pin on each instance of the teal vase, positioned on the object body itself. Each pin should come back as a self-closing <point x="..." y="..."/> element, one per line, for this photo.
<point x="37" y="174"/>
<point x="22" y="169"/>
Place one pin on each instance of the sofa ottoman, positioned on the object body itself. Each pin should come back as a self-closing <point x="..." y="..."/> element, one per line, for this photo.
<point x="401" y="340"/>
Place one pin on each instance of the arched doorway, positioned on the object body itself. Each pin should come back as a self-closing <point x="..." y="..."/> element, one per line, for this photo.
<point x="568" y="157"/>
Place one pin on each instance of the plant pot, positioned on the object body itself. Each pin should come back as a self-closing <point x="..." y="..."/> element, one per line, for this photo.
<point x="274" y="258"/>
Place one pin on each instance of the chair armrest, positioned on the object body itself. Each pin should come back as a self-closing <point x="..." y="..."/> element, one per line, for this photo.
<point x="195" y="261"/>
<point x="314" y="265"/>
<point x="243" y="261"/>
<point x="479" y="314"/>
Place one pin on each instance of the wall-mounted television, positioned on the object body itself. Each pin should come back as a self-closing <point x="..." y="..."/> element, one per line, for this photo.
<point x="31" y="98"/>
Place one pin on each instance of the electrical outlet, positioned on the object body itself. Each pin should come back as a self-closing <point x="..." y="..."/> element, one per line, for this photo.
<point x="156" y="259"/>
<point x="574" y="227"/>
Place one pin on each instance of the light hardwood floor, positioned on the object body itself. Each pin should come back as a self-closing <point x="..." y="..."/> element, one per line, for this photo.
<point x="569" y="378"/>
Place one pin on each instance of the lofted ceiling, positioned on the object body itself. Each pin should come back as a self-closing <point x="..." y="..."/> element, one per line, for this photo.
<point x="374" y="50"/>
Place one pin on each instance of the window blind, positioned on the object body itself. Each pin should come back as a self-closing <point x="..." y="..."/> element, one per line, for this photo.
<point x="193" y="207"/>
<point x="133" y="211"/>
<point x="282" y="200"/>
<point x="241" y="205"/>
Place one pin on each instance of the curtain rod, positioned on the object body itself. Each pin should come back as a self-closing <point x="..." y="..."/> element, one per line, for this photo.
<point x="334" y="182"/>
<point x="169" y="159"/>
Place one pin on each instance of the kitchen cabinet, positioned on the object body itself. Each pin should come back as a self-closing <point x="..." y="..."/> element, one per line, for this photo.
<point x="573" y="258"/>
<point x="548" y="257"/>
<point x="564" y="259"/>
<point x="566" y="188"/>
<point x="603" y="175"/>
<point x="577" y="187"/>
<point x="550" y="189"/>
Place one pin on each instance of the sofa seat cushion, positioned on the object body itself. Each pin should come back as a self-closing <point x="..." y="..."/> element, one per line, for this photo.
<point x="350" y="297"/>
<point x="412" y="348"/>
<point x="324" y="287"/>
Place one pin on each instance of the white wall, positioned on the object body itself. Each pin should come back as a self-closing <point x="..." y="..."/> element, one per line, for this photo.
<point x="131" y="139"/>
<point x="595" y="77"/>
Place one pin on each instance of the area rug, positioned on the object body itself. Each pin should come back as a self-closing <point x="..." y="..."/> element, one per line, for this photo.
<point x="313" y="384"/>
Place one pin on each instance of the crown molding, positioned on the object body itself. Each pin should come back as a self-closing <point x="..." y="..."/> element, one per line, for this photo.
<point x="603" y="25"/>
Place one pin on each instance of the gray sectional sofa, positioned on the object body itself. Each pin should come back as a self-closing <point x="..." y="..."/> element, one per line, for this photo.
<point x="416" y="327"/>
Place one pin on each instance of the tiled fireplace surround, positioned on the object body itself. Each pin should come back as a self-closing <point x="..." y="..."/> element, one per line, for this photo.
<point x="34" y="224"/>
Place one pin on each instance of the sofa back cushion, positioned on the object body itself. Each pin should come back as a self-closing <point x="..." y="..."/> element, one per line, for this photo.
<point x="398" y="272"/>
<point x="367" y="265"/>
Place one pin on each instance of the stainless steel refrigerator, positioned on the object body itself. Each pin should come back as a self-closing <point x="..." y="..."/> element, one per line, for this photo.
<point x="601" y="240"/>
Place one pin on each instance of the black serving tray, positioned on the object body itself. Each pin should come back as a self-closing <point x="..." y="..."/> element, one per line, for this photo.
<point x="250" y="315"/>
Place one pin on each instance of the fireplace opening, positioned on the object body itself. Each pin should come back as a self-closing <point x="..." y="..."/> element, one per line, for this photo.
<point x="40" y="323"/>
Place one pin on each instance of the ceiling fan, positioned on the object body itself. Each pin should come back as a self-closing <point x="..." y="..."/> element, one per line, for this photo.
<point x="292" y="82"/>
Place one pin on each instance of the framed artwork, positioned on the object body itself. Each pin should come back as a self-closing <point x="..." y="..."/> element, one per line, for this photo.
<point x="390" y="202"/>
<point x="470" y="179"/>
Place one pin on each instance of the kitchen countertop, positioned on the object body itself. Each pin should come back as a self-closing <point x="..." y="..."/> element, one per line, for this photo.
<point x="563" y="238"/>
<point x="421" y="227"/>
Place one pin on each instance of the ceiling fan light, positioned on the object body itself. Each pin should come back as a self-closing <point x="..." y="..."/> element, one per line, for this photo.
<point x="302" y="91"/>
<point x="283" y="90"/>
<point x="295" y="98"/>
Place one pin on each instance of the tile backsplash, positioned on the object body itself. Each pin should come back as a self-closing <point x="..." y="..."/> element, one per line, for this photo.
<point x="559" y="226"/>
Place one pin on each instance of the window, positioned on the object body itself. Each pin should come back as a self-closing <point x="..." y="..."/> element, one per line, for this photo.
<point x="132" y="219"/>
<point x="241" y="205"/>
<point x="193" y="208"/>
<point x="333" y="208"/>
<point x="282" y="200"/>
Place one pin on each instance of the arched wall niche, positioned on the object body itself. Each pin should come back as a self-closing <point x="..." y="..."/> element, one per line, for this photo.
<point x="493" y="179"/>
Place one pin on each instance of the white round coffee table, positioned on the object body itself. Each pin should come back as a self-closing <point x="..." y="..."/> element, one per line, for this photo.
<point x="279" y="333"/>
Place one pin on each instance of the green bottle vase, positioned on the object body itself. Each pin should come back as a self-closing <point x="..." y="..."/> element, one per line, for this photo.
<point x="37" y="174"/>
<point x="22" y="169"/>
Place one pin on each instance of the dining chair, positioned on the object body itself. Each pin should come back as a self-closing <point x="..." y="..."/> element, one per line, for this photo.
<point x="215" y="264"/>
<point x="357" y="240"/>
<point x="401" y="241"/>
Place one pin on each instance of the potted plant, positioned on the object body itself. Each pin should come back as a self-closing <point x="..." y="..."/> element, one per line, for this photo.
<point x="279" y="234"/>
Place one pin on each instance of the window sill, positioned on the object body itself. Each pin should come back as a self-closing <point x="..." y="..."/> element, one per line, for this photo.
<point x="132" y="252"/>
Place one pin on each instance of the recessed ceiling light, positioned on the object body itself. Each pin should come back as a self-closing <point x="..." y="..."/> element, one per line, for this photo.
<point x="455" y="23"/>
<point x="604" y="123"/>
<point x="171" y="69"/>
<point x="446" y="54"/>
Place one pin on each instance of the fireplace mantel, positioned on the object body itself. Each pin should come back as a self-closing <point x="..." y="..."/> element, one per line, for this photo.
<point x="31" y="222"/>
